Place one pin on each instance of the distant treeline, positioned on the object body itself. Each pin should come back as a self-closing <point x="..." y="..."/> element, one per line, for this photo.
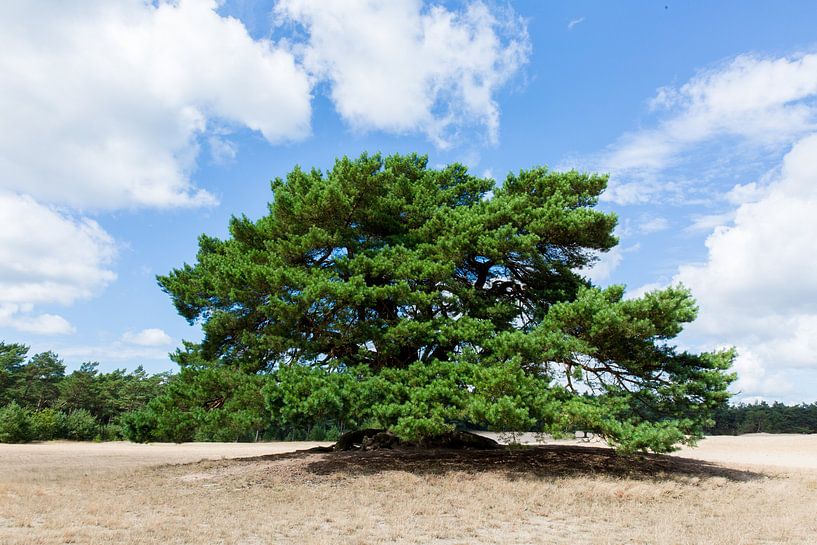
<point x="38" y="401"/>
<point x="765" y="418"/>
<point x="207" y="402"/>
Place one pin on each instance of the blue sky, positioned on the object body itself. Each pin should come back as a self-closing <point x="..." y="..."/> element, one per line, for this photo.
<point x="128" y="129"/>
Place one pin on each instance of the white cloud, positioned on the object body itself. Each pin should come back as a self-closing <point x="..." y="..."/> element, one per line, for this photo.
<point x="574" y="22"/>
<point x="602" y="269"/>
<point x="750" y="106"/>
<point x="47" y="257"/>
<point x="744" y="193"/>
<point x="707" y="222"/>
<point x="115" y="351"/>
<point x="222" y="150"/>
<point x="108" y="98"/>
<point x="147" y="337"/>
<point x="643" y="290"/>
<point x="103" y="105"/>
<point x="758" y="287"/>
<point x="19" y="317"/>
<point x="149" y="347"/>
<point x="397" y="66"/>
<point x="755" y="382"/>
<point x="106" y="103"/>
<point x="653" y="225"/>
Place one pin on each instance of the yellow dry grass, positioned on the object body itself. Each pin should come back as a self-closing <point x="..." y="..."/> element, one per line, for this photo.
<point x="118" y="493"/>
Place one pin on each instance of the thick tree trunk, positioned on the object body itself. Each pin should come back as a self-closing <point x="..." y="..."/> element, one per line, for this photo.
<point x="353" y="440"/>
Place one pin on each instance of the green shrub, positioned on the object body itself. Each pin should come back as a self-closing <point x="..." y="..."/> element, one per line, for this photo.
<point x="81" y="425"/>
<point x="48" y="424"/>
<point x="110" y="432"/>
<point x="138" y="426"/>
<point x="323" y="433"/>
<point x="223" y="425"/>
<point x="15" y="424"/>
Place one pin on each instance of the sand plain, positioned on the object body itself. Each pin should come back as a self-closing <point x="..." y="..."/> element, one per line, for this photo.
<point x="757" y="489"/>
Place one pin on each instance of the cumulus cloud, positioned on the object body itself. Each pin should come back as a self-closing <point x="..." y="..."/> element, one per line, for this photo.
<point x="755" y="382"/>
<point x="19" y="317"/>
<point x="147" y="337"/>
<point x="750" y="105"/>
<point x="108" y="98"/>
<point x="398" y="66"/>
<point x="105" y="105"/>
<point x="757" y="288"/>
<point x="47" y="256"/>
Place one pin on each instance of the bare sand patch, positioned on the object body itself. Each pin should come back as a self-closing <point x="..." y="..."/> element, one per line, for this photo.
<point x="67" y="459"/>
<point x="789" y="451"/>
<point x="781" y="451"/>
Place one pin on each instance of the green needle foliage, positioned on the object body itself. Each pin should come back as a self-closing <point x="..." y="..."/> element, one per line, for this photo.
<point x="386" y="293"/>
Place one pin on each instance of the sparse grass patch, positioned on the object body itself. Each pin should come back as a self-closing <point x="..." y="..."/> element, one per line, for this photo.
<point x="555" y="494"/>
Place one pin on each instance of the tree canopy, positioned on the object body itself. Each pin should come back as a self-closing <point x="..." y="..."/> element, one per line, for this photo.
<point x="384" y="292"/>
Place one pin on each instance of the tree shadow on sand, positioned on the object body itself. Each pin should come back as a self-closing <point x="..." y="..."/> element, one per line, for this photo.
<point x="547" y="461"/>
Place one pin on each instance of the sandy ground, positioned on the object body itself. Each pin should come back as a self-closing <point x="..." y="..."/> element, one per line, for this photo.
<point x="765" y="450"/>
<point x="792" y="451"/>
<point x="758" y="449"/>
<point x="87" y="457"/>
<point x="749" y="490"/>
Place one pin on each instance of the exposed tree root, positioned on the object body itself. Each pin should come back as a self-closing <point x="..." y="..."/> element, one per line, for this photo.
<point x="376" y="439"/>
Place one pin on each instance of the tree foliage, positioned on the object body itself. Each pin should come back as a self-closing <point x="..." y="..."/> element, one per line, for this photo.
<point x="38" y="401"/>
<point x="203" y="403"/>
<point x="389" y="293"/>
<point x="12" y="361"/>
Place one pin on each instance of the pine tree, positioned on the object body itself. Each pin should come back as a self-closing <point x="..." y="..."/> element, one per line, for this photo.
<point x="384" y="292"/>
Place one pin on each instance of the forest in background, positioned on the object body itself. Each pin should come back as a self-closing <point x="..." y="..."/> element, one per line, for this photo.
<point x="39" y="401"/>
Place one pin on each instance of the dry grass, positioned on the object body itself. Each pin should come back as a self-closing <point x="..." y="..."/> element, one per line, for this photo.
<point x="84" y="493"/>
